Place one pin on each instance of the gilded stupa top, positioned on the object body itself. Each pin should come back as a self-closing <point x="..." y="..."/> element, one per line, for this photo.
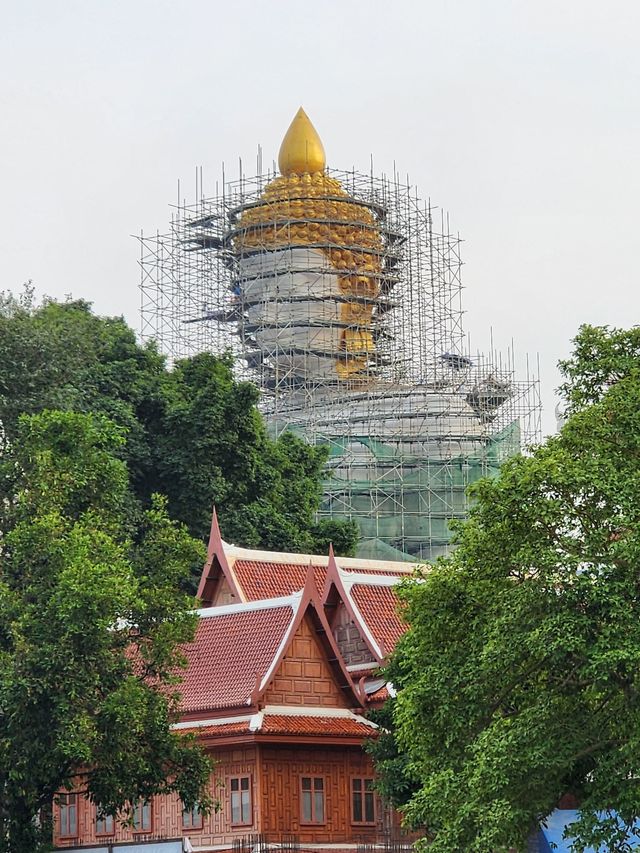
<point x="301" y="151"/>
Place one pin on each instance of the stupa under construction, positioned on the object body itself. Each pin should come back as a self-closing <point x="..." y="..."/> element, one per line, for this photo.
<point x="339" y="294"/>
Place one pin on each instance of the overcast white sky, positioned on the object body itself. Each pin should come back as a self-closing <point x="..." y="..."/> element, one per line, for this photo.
<point x="520" y="118"/>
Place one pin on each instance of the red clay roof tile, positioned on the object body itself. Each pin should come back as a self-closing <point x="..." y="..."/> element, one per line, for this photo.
<point x="321" y="726"/>
<point x="260" y="580"/>
<point x="378" y="606"/>
<point x="229" y="654"/>
<point x="222" y="730"/>
<point x="380" y="695"/>
<point x="286" y="724"/>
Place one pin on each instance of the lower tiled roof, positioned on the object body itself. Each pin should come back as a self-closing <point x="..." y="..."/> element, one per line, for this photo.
<point x="320" y="726"/>
<point x="223" y="730"/>
<point x="288" y="724"/>
<point x="380" y="695"/>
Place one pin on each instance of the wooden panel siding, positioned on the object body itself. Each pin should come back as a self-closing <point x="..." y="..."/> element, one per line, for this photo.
<point x="282" y="769"/>
<point x="224" y="594"/>
<point x="167" y="811"/>
<point x="304" y="677"/>
<point x="349" y="639"/>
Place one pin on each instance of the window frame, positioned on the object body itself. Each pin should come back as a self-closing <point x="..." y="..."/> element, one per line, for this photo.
<point x="362" y="795"/>
<point x="313" y="790"/>
<point x="191" y="816"/>
<point x="105" y="832"/>
<point x="65" y="800"/>
<point x="239" y="778"/>
<point x="140" y="805"/>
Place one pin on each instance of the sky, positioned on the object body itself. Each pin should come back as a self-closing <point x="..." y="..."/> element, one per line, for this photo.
<point x="522" y="119"/>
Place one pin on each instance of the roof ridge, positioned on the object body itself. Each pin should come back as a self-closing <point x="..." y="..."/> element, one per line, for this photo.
<point x="362" y="579"/>
<point x="237" y="552"/>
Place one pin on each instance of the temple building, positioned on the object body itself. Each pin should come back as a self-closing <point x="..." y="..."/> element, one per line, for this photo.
<point x="281" y="675"/>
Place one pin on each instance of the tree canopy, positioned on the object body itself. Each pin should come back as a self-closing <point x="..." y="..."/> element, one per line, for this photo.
<point x="91" y="625"/>
<point x="519" y="678"/>
<point x="193" y="433"/>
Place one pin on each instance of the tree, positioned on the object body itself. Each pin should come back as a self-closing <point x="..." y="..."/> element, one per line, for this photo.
<point x="91" y="625"/>
<point x="519" y="678"/>
<point x="213" y="441"/>
<point x="192" y="433"/>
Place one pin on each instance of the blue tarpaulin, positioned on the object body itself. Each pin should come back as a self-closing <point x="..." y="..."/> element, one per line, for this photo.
<point x="554" y="829"/>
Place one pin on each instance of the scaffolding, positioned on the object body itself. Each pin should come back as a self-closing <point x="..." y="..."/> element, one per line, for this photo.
<point x="339" y="295"/>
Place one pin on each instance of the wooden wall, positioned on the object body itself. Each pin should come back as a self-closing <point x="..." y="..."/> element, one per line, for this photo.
<point x="167" y="811"/>
<point x="282" y="768"/>
<point x="275" y="773"/>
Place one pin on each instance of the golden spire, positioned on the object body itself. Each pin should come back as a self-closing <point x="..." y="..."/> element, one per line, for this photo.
<point x="301" y="150"/>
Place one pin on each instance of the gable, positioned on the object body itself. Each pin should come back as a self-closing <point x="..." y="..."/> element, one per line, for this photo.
<point x="223" y="594"/>
<point x="304" y="676"/>
<point x="353" y="647"/>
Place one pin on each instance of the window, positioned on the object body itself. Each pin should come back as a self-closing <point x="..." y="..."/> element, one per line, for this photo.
<point x="68" y="814"/>
<point x="191" y="818"/>
<point x="241" y="811"/>
<point x="363" y="809"/>
<point x="104" y="824"/>
<point x="142" y="816"/>
<point x="312" y="799"/>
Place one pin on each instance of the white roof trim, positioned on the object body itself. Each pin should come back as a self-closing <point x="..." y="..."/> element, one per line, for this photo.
<point x="234" y="552"/>
<point x="357" y="667"/>
<point x="256" y="722"/>
<point x="248" y="606"/>
<point x="216" y="721"/>
<point x="350" y="579"/>
<point x="283" y="643"/>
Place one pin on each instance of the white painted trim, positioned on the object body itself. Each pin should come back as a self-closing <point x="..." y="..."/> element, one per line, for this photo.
<point x="216" y="721"/>
<point x="256" y="722"/>
<point x="350" y="579"/>
<point x="362" y="667"/>
<point x="249" y="606"/>
<point x="306" y="711"/>
<point x="283" y="644"/>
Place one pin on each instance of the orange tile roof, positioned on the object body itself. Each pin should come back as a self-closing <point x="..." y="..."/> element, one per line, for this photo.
<point x="320" y="726"/>
<point x="288" y="724"/>
<point x="259" y="580"/>
<point x="378" y="606"/>
<point x="229" y="654"/>
<point x="222" y="730"/>
<point x="380" y="695"/>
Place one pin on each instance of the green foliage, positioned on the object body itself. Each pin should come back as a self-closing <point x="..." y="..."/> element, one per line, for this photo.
<point x="91" y="624"/>
<point x="192" y="433"/>
<point x="519" y="679"/>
